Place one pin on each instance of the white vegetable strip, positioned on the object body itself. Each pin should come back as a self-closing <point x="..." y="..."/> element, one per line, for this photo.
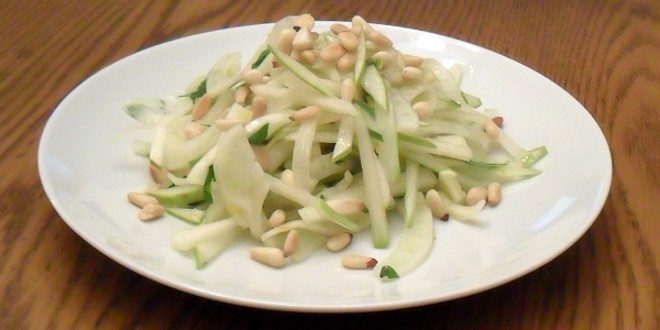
<point x="302" y="154"/>
<point x="373" y="185"/>
<point x="414" y="244"/>
<point x="187" y="239"/>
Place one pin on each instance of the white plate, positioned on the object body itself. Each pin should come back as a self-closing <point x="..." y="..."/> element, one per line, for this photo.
<point x="87" y="167"/>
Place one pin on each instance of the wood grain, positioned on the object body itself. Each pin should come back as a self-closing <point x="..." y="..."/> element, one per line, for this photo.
<point x="605" y="53"/>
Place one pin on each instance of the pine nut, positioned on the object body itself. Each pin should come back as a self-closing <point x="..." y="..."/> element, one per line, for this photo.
<point x="285" y="41"/>
<point x="346" y="62"/>
<point x="347" y="90"/>
<point x="400" y="61"/>
<point x="499" y="121"/>
<point x="384" y="57"/>
<point x="475" y="194"/>
<point x="305" y="21"/>
<point x="491" y="129"/>
<point x="151" y="212"/>
<point x="338" y="242"/>
<point x="308" y="56"/>
<point x="379" y="39"/>
<point x="346" y="205"/>
<point x="291" y="243"/>
<point x="192" y="130"/>
<point x="332" y="52"/>
<point x="434" y="202"/>
<point x="141" y="199"/>
<point x="348" y="40"/>
<point x="303" y="39"/>
<point x="494" y="195"/>
<point x="253" y="76"/>
<point x="156" y="174"/>
<point x="277" y="218"/>
<point x="261" y="154"/>
<point x="225" y="124"/>
<point x="287" y="177"/>
<point x="357" y="261"/>
<point x="269" y="256"/>
<point x="412" y="60"/>
<point x="422" y="108"/>
<point x="241" y="94"/>
<point x="412" y="73"/>
<point x="295" y="54"/>
<point x="258" y="106"/>
<point x="338" y="28"/>
<point x="306" y="113"/>
<point x="356" y="29"/>
<point x="202" y="107"/>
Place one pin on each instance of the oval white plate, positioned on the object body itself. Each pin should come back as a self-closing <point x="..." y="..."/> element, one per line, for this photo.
<point x="87" y="167"/>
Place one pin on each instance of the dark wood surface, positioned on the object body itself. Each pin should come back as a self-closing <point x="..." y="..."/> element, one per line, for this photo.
<point x="605" y="53"/>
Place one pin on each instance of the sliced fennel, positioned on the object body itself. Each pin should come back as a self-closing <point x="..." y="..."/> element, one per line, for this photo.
<point x="251" y="163"/>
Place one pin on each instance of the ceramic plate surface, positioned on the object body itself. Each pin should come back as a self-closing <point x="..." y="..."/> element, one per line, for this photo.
<point x="87" y="167"/>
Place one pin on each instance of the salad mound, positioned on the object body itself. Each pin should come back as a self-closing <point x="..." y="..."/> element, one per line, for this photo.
<point x="321" y="135"/>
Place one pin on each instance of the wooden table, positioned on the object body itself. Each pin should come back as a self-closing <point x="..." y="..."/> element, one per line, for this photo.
<point x="606" y="53"/>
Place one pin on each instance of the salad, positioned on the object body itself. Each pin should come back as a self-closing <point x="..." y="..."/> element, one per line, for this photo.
<point x="321" y="135"/>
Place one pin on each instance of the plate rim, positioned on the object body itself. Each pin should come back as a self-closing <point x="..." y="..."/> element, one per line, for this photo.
<point x="596" y="207"/>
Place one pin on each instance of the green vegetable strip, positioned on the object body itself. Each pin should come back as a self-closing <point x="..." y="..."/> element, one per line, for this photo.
<point x="302" y="72"/>
<point x="302" y="154"/>
<point x="373" y="185"/>
<point x="304" y="198"/>
<point x="412" y="188"/>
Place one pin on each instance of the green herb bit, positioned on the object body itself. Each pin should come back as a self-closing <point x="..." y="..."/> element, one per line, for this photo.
<point x="259" y="137"/>
<point x="387" y="272"/>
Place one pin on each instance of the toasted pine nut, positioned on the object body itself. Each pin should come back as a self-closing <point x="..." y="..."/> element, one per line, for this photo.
<point x="270" y="256"/>
<point x="241" y="94"/>
<point x="346" y="205"/>
<point x="412" y="60"/>
<point x="347" y="90"/>
<point x="434" y="201"/>
<point x="338" y="242"/>
<point x="291" y="243"/>
<point x="151" y="211"/>
<point x="491" y="129"/>
<point x="295" y="54"/>
<point x="202" y="107"/>
<point x="287" y="177"/>
<point x="224" y="124"/>
<point x="141" y="199"/>
<point x="306" y="113"/>
<point x="261" y="155"/>
<point x="338" y="28"/>
<point x="253" y="76"/>
<point x="303" y="39"/>
<point x="192" y="129"/>
<point x="348" y="40"/>
<point x="384" y="57"/>
<point x="422" y="108"/>
<point x="412" y="73"/>
<point x="258" y="106"/>
<point x="156" y="174"/>
<point x="499" y="121"/>
<point x="357" y="261"/>
<point x="346" y="62"/>
<point x="285" y="41"/>
<point x="494" y="195"/>
<point x="277" y="218"/>
<point x="305" y="21"/>
<point x="308" y="56"/>
<point x="379" y="39"/>
<point x="475" y="194"/>
<point x="356" y="29"/>
<point x="332" y="52"/>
